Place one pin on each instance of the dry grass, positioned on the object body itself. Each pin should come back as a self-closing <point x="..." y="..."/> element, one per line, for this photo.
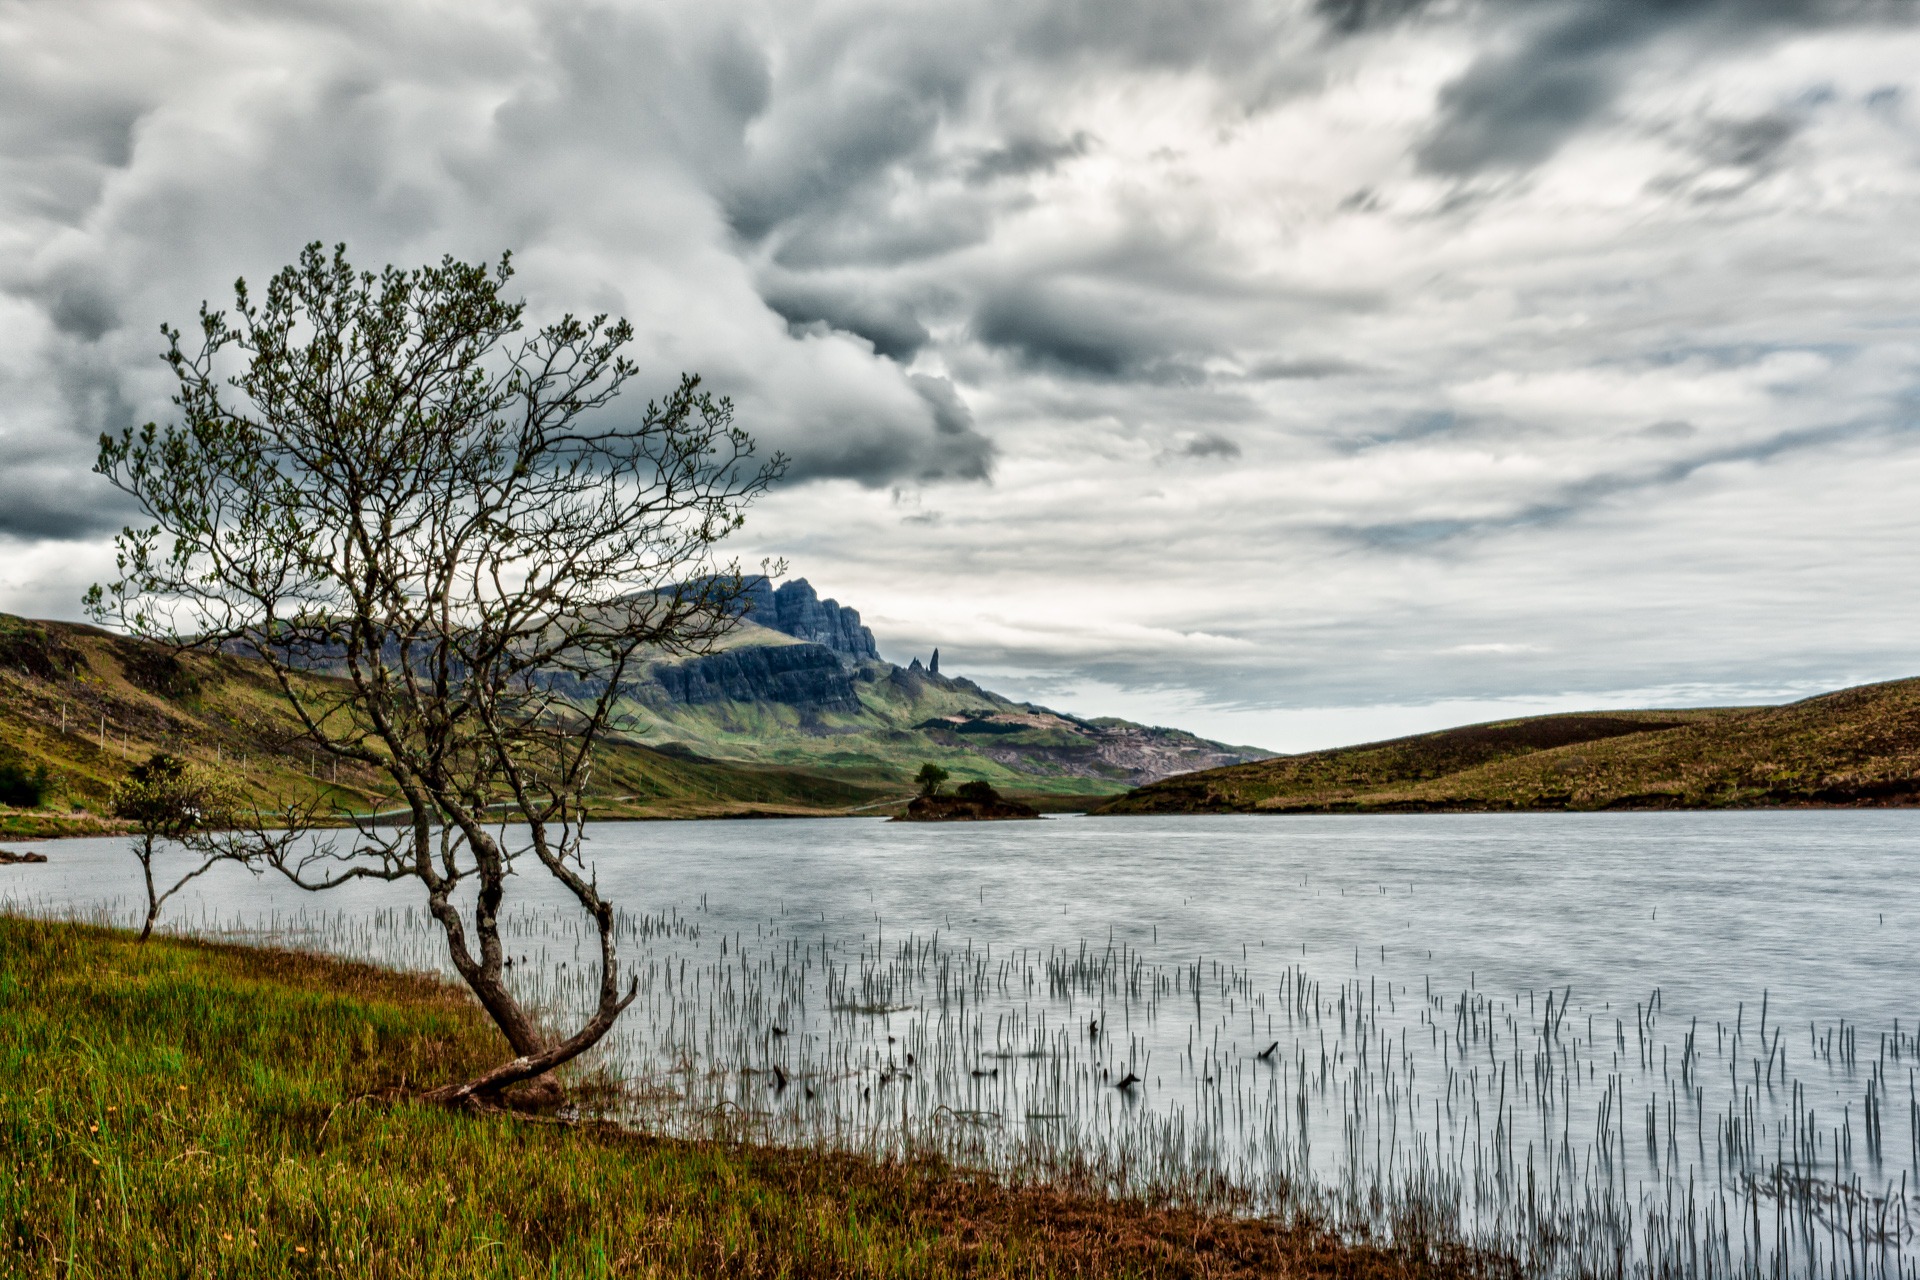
<point x="1856" y="747"/>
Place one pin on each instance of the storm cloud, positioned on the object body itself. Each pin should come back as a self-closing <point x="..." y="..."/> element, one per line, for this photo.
<point x="1215" y="362"/>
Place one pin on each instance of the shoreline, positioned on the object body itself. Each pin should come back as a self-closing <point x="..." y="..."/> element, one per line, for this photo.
<point x="764" y="815"/>
<point x="295" y="1073"/>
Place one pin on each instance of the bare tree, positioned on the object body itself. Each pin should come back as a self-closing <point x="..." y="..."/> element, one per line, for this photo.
<point x="386" y="479"/>
<point x="170" y="801"/>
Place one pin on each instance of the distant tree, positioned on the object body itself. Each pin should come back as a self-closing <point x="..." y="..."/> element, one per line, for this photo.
<point x="930" y="779"/>
<point x="170" y="801"/>
<point x="385" y="477"/>
<point x="977" y="791"/>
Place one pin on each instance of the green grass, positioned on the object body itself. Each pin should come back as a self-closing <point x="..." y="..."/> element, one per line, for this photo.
<point x="190" y="1109"/>
<point x="1858" y="746"/>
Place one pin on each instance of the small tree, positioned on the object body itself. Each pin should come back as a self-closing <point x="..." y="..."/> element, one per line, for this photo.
<point x="930" y="779"/>
<point x="168" y="800"/>
<point x="383" y="477"/>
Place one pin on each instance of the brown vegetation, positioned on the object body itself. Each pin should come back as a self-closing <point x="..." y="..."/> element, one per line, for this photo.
<point x="1856" y="747"/>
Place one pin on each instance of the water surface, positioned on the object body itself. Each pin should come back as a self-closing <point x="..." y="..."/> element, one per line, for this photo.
<point x="1400" y="966"/>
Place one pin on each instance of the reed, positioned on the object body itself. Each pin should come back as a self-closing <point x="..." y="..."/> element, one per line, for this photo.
<point x="187" y="1108"/>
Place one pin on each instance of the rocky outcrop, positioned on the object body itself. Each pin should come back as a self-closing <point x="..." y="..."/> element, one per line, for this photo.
<point x="796" y="609"/>
<point x="809" y="676"/>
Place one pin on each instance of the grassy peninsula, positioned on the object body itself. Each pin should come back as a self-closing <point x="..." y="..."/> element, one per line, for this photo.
<point x="187" y="1108"/>
<point x="1855" y="747"/>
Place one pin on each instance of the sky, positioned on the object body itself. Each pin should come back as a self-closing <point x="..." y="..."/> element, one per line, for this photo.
<point x="1299" y="372"/>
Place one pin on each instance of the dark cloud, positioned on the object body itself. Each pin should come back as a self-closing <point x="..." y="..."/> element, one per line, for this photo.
<point x="741" y="79"/>
<point x="1580" y="496"/>
<point x="1755" y="143"/>
<point x="964" y="454"/>
<point x="82" y="308"/>
<point x="889" y="323"/>
<point x="950" y="413"/>
<point x="1564" y="62"/>
<point x="1210" y="445"/>
<point x="1670" y="429"/>
<point x="842" y="134"/>
<point x="1351" y="17"/>
<point x="871" y="233"/>
<point x="938" y="443"/>
<point x="59" y="501"/>
<point x="1023" y="156"/>
<point x="1279" y="370"/>
<point x="1079" y="328"/>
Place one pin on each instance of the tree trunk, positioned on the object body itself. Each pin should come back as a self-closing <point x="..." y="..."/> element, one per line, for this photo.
<point x="145" y="851"/>
<point x="485" y="1089"/>
<point x="535" y="1056"/>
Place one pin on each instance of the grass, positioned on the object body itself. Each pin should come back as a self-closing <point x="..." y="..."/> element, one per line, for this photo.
<point x="187" y="1108"/>
<point x="1855" y="747"/>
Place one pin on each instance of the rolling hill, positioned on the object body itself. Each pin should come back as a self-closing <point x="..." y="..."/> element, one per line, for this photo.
<point x="796" y="714"/>
<point x="84" y="705"/>
<point x="1856" y="747"/>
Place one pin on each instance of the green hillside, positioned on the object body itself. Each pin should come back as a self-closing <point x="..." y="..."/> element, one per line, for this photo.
<point x="896" y="719"/>
<point x="1859" y="746"/>
<point x="85" y="705"/>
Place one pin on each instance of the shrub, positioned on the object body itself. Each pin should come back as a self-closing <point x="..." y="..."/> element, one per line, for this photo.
<point x="20" y="787"/>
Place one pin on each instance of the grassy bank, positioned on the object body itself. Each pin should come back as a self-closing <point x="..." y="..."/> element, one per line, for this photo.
<point x="194" y="1109"/>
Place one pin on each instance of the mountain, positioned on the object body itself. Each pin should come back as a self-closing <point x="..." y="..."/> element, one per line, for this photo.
<point x="795" y="609"/>
<point x="796" y="714"/>
<point x="79" y="706"/>
<point x="800" y="684"/>
<point x="1856" y="747"/>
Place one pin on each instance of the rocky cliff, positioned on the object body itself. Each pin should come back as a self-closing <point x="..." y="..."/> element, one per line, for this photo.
<point x="796" y="609"/>
<point x="798" y="675"/>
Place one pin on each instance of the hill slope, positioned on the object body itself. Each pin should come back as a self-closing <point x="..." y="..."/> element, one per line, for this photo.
<point x="85" y="705"/>
<point x="877" y="719"/>
<point x="799" y="721"/>
<point x="800" y="684"/>
<point x="1858" y="746"/>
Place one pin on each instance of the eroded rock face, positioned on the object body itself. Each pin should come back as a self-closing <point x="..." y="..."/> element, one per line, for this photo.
<point x="796" y="609"/>
<point x="801" y="675"/>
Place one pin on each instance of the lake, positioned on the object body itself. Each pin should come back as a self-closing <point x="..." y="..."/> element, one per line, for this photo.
<point x="1602" y="1041"/>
